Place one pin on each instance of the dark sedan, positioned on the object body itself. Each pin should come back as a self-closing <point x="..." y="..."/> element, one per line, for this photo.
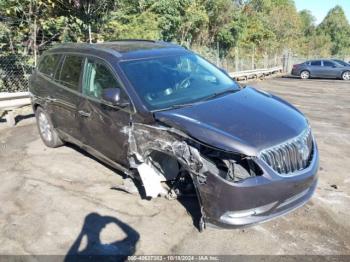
<point x="322" y="69"/>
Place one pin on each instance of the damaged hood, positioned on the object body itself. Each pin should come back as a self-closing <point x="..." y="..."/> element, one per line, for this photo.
<point x="245" y="122"/>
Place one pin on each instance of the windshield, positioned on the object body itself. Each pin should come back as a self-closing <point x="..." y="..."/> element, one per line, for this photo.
<point x="166" y="82"/>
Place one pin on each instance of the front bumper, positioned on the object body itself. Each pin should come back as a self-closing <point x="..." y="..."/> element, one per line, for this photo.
<point x="257" y="199"/>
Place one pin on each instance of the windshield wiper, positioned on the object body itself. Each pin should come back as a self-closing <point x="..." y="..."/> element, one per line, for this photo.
<point x="197" y="101"/>
<point x="227" y="91"/>
<point x="174" y="107"/>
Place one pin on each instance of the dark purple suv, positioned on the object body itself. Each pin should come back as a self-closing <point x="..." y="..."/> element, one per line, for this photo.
<point x="178" y="124"/>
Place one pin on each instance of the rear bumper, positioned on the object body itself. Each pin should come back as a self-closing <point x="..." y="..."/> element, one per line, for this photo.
<point x="257" y="199"/>
<point x="295" y="72"/>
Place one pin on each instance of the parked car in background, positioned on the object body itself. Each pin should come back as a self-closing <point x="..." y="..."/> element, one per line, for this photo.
<point x="172" y="120"/>
<point x="322" y="68"/>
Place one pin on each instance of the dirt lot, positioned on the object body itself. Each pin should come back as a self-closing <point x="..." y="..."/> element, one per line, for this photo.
<point x="58" y="200"/>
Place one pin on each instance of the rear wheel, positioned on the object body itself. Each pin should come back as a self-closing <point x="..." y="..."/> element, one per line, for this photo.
<point x="46" y="130"/>
<point x="305" y="74"/>
<point x="346" y="75"/>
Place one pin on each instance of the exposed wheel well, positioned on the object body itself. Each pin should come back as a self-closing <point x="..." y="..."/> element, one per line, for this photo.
<point x="172" y="169"/>
<point x="179" y="182"/>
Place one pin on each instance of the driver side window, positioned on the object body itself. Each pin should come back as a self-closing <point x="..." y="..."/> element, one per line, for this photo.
<point x="97" y="77"/>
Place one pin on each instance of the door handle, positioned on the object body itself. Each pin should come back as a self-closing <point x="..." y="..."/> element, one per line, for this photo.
<point x="84" y="114"/>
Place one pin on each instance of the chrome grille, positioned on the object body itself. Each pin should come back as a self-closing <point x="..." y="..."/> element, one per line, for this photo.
<point x="290" y="156"/>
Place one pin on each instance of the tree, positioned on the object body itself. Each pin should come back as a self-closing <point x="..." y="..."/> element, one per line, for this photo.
<point x="170" y="13"/>
<point x="336" y="26"/>
<point x="88" y="14"/>
<point x="194" y="24"/>
<point x="307" y="22"/>
<point x="28" y="18"/>
<point x="132" y="26"/>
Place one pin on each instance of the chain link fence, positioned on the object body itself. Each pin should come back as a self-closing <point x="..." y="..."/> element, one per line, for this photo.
<point x="14" y="73"/>
<point x="16" y="69"/>
<point x="242" y="60"/>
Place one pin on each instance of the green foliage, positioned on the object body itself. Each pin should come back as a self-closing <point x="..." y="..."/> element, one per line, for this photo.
<point x="336" y="26"/>
<point x="252" y="28"/>
<point x="134" y="26"/>
<point x="194" y="23"/>
<point x="307" y="22"/>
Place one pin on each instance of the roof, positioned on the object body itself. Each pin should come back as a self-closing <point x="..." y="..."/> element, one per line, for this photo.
<point x="124" y="49"/>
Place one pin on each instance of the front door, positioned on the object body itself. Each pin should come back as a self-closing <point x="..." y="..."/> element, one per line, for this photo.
<point x="103" y="127"/>
<point x="330" y="69"/>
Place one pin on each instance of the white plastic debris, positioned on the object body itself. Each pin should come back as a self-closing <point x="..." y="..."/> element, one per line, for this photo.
<point x="151" y="181"/>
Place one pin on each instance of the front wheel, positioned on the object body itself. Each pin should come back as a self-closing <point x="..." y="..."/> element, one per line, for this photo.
<point x="346" y="76"/>
<point x="305" y="74"/>
<point x="46" y="130"/>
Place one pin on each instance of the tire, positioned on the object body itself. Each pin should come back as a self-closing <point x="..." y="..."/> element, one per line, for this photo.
<point x="346" y="76"/>
<point x="304" y="74"/>
<point x="47" y="132"/>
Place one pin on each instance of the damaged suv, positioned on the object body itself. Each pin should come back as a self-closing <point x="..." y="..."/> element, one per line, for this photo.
<point x="170" y="119"/>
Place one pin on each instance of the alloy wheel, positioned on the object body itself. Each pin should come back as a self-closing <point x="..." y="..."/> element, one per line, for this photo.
<point x="45" y="127"/>
<point x="305" y="75"/>
<point x="346" y="75"/>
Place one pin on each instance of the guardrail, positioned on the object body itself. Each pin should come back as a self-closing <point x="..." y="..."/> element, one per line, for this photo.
<point x="256" y="73"/>
<point x="11" y="101"/>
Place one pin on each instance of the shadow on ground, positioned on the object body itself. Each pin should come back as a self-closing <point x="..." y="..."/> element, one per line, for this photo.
<point x="87" y="154"/>
<point x="18" y="118"/>
<point x="94" y="249"/>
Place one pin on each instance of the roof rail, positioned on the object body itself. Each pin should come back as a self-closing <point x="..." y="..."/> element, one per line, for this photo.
<point x="131" y="40"/>
<point x="87" y="45"/>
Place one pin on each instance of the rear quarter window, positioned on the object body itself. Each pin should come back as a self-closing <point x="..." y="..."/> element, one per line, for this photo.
<point x="316" y="63"/>
<point x="48" y="64"/>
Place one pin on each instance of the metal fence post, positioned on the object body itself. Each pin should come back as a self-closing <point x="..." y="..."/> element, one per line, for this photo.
<point x="236" y="59"/>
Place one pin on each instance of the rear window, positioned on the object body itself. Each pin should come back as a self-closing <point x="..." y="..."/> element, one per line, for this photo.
<point x="70" y="72"/>
<point x="48" y="64"/>
<point x="316" y="63"/>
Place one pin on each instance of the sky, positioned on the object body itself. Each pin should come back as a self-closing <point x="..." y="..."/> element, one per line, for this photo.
<point x="320" y="8"/>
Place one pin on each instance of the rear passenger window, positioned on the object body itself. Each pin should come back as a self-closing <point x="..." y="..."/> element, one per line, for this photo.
<point x="70" y="72"/>
<point x="48" y="64"/>
<point x="316" y="63"/>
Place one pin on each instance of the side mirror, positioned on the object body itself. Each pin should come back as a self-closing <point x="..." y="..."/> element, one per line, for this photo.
<point x="113" y="97"/>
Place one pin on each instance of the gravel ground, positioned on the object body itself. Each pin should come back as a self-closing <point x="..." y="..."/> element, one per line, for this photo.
<point x="55" y="201"/>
